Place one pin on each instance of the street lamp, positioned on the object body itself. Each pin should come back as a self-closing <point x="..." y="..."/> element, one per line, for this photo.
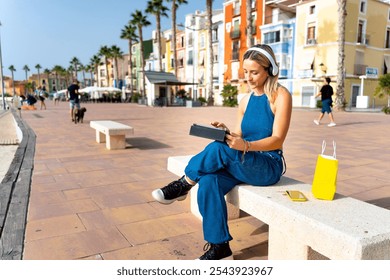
<point x="1" y="74"/>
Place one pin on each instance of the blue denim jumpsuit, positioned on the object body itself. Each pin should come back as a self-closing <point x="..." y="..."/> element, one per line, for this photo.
<point x="218" y="169"/>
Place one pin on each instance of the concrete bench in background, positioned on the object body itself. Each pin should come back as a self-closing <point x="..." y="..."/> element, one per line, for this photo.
<point x="112" y="133"/>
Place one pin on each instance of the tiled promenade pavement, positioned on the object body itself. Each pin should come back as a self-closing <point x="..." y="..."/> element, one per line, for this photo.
<point x="91" y="203"/>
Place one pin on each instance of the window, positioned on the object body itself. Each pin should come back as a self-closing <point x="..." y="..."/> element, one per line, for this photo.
<point x="386" y="65"/>
<point x="202" y="58"/>
<point x="236" y="48"/>
<point x="361" y="36"/>
<point x="287" y="34"/>
<point x="236" y="7"/>
<point x="202" y="41"/>
<point x="190" y="58"/>
<point x="363" y="6"/>
<point x="253" y="4"/>
<point x="307" y="93"/>
<point x="215" y="34"/>
<point x="180" y="59"/>
<point x="215" y="53"/>
<point x="286" y="62"/>
<point x="190" y="40"/>
<point x="272" y="37"/>
<point x="236" y="29"/>
<point x="359" y="67"/>
<point x="312" y="10"/>
<point x="311" y="34"/>
<point x="387" y="39"/>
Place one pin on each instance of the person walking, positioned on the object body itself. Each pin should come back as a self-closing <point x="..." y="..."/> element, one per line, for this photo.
<point x="72" y="95"/>
<point x="326" y="93"/>
<point x="40" y="93"/>
<point x="252" y="153"/>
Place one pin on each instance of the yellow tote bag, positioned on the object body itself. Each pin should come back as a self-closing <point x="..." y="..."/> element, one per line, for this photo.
<point x="325" y="175"/>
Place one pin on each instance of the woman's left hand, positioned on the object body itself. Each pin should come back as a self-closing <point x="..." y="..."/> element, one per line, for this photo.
<point x="235" y="141"/>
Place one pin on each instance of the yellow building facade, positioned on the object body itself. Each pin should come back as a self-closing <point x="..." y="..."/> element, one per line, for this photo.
<point x="367" y="50"/>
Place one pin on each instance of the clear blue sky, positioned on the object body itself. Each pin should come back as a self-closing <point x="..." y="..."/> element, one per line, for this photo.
<point x="52" y="32"/>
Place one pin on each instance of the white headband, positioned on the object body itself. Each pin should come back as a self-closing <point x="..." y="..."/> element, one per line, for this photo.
<point x="275" y="68"/>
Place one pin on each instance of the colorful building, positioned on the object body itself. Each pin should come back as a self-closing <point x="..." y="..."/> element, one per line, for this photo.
<point x="236" y="41"/>
<point x="367" y="53"/>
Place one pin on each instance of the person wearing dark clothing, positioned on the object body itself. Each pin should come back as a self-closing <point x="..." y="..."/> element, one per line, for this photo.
<point x="326" y="93"/>
<point x="72" y="95"/>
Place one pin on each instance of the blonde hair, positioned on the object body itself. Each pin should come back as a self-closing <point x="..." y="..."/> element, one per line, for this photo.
<point x="271" y="84"/>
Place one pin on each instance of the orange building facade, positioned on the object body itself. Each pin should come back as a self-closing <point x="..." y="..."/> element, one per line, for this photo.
<point x="236" y="39"/>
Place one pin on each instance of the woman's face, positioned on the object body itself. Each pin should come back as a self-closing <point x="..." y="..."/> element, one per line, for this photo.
<point x="255" y="74"/>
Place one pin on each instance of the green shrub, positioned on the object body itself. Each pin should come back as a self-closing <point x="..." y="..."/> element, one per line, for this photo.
<point x="229" y="94"/>
<point x="383" y="89"/>
<point x="202" y="100"/>
<point x="135" y="97"/>
<point x="386" y="110"/>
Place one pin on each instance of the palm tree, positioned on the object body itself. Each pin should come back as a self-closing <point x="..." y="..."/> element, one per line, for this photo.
<point x="57" y="70"/>
<point x="340" y="94"/>
<point x="12" y="69"/>
<point x="209" y="12"/>
<point x="156" y="7"/>
<point x="106" y="53"/>
<point x="75" y="62"/>
<point x="95" y="62"/>
<point x="69" y="74"/>
<point x="115" y="54"/>
<point x="89" y="68"/>
<point x="129" y="33"/>
<point x="26" y="70"/>
<point x="47" y="72"/>
<point x="82" y="69"/>
<point x="139" y="20"/>
<point x="174" y="7"/>
<point x="38" y="67"/>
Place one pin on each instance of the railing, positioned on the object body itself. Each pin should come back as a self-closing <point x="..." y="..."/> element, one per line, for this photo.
<point x="311" y="41"/>
<point x="363" y="39"/>
<point x="235" y="34"/>
<point x="360" y="69"/>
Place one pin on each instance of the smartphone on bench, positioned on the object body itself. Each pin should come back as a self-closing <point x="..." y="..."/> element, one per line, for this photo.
<point x="296" y="196"/>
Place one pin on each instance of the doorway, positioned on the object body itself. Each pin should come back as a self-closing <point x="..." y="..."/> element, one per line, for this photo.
<point x="354" y="95"/>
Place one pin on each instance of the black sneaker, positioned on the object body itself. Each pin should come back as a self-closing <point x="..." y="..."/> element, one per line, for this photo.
<point x="217" y="252"/>
<point x="177" y="190"/>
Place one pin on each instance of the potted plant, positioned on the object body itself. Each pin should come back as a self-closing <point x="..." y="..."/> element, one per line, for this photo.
<point x="382" y="90"/>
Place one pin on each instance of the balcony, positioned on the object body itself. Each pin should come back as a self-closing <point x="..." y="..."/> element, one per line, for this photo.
<point x="363" y="39"/>
<point x="235" y="34"/>
<point x="311" y="41"/>
<point x="359" y="69"/>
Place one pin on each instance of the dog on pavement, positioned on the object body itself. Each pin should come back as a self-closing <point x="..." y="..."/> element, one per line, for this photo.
<point x="78" y="114"/>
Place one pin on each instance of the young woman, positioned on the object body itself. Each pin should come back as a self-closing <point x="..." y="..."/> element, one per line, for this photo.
<point x="252" y="153"/>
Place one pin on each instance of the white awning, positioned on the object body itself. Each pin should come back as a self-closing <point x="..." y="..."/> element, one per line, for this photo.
<point x="387" y="61"/>
<point x="306" y="61"/>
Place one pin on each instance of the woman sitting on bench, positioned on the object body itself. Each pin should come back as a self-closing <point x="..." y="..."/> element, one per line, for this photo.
<point x="252" y="153"/>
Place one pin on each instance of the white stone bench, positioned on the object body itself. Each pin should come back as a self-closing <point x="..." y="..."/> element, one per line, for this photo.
<point x="344" y="228"/>
<point x="111" y="133"/>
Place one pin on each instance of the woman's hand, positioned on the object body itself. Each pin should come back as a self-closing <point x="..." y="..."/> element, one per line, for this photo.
<point x="235" y="141"/>
<point x="220" y="125"/>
